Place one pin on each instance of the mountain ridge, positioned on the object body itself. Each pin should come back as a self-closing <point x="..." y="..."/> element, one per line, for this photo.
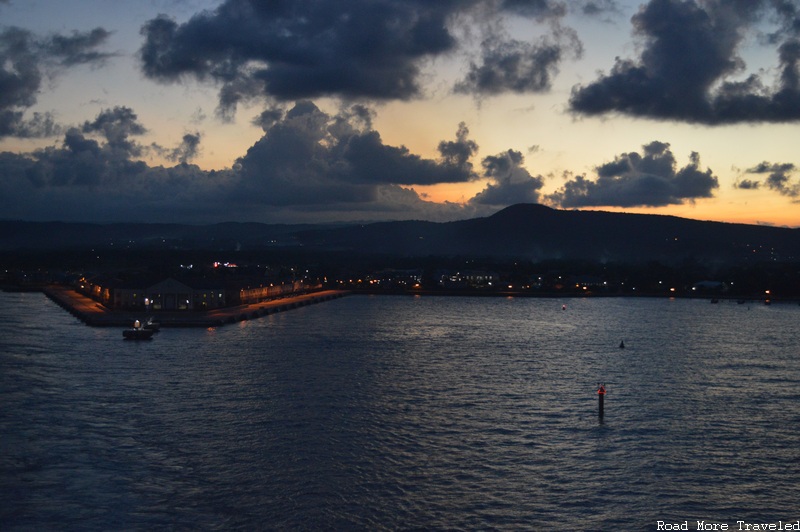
<point x="526" y="231"/>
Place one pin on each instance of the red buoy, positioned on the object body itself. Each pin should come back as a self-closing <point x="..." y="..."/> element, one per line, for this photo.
<point x="601" y="394"/>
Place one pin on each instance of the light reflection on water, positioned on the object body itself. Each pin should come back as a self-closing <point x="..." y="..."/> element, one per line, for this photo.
<point x="397" y="413"/>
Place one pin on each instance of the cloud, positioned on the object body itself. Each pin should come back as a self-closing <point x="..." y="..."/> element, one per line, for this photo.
<point x="300" y="49"/>
<point x="357" y="50"/>
<point x="517" y="66"/>
<point x="508" y="64"/>
<point x="269" y="117"/>
<point x="187" y="150"/>
<point x="308" y="165"/>
<point x="86" y="179"/>
<point x="116" y="126"/>
<point x="26" y="61"/>
<point x="595" y="8"/>
<point x="537" y="9"/>
<point x="510" y="181"/>
<point x="689" y="55"/>
<point x="778" y="178"/>
<point x="77" y="48"/>
<point x="649" y="179"/>
<point x="456" y="154"/>
<point x="311" y="157"/>
<point x="747" y="184"/>
<point x="40" y="125"/>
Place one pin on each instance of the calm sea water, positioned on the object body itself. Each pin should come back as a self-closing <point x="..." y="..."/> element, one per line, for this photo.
<point x="370" y="413"/>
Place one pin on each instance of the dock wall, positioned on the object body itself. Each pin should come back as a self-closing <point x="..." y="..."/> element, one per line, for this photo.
<point x="94" y="314"/>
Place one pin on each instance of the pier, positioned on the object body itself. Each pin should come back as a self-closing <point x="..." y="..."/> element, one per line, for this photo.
<point x="93" y="313"/>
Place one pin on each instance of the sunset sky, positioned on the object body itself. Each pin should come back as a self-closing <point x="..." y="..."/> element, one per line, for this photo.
<point x="294" y="111"/>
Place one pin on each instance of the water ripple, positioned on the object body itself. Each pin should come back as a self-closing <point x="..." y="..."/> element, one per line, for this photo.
<point x="381" y="413"/>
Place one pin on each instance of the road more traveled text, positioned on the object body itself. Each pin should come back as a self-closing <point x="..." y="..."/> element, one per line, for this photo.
<point x="739" y="525"/>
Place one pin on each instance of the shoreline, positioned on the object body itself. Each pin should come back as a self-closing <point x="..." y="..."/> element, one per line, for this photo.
<point x="94" y="314"/>
<point x="572" y="295"/>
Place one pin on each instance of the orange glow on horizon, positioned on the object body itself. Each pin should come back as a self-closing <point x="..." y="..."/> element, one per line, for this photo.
<point x="768" y="209"/>
<point x="449" y="192"/>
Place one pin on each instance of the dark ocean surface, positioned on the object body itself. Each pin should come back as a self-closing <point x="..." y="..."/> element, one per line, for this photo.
<point x="398" y="413"/>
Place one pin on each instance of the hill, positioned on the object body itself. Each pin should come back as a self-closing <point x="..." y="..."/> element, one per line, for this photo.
<point x="536" y="232"/>
<point x="525" y="231"/>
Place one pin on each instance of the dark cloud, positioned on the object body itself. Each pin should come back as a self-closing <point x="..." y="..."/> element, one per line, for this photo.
<point x="26" y="61"/>
<point x="360" y="49"/>
<point x="771" y="168"/>
<point x="747" y="184"/>
<point x="269" y="117"/>
<point x="537" y="9"/>
<point x="787" y="15"/>
<point x="689" y="53"/>
<point x="311" y="157"/>
<point x="779" y="176"/>
<point x="365" y="159"/>
<point x="308" y="164"/>
<point x="511" y="65"/>
<point x="20" y="78"/>
<point x="77" y="48"/>
<point x="39" y="125"/>
<point x="117" y="125"/>
<point x="649" y="179"/>
<point x="299" y="49"/>
<point x="21" y="75"/>
<point x="83" y="161"/>
<point x="594" y="8"/>
<point x="86" y="179"/>
<point x="517" y="66"/>
<point x="510" y="181"/>
<point x="457" y="153"/>
<point x="187" y="150"/>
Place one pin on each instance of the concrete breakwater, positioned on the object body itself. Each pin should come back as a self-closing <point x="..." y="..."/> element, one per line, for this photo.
<point x="93" y="313"/>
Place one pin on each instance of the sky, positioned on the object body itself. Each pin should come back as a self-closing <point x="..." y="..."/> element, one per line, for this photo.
<point x="310" y="111"/>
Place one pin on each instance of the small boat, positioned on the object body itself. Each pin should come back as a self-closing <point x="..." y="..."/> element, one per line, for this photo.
<point x="137" y="332"/>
